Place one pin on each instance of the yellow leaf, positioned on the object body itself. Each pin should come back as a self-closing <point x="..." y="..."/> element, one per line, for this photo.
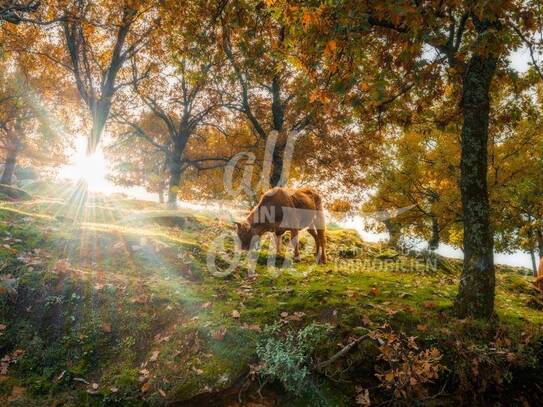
<point x="331" y="46"/>
<point x="364" y="86"/>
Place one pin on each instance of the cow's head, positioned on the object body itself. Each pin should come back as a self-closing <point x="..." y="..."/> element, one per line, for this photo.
<point x="246" y="234"/>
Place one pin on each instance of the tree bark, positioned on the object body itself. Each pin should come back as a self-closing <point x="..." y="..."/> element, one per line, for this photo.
<point x="175" y="179"/>
<point x="534" y="262"/>
<point x="477" y="284"/>
<point x="176" y="162"/>
<point x="539" y="234"/>
<point x="277" y="167"/>
<point x="394" y="233"/>
<point x="9" y="167"/>
<point x="278" y="120"/>
<point x="433" y="244"/>
<point x="99" y="118"/>
<point x="161" y="196"/>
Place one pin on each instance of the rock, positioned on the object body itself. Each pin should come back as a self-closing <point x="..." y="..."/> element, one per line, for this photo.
<point x="387" y="254"/>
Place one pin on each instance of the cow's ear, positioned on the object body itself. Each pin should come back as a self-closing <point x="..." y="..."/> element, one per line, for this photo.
<point x="238" y="225"/>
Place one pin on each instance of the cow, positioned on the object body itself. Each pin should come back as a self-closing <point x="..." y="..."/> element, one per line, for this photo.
<point x="281" y="210"/>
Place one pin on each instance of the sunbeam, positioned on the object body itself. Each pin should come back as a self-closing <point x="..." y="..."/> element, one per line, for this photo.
<point x="90" y="169"/>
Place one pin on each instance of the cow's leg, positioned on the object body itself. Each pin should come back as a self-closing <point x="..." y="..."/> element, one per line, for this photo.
<point x="313" y="232"/>
<point x="320" y="225"/>
<point x="295" y="243"/>
<point x="321" y="258"/>
<point x="278" y="244"/>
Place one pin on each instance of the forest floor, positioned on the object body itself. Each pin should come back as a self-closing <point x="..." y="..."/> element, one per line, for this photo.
<point x="109" y="301"/>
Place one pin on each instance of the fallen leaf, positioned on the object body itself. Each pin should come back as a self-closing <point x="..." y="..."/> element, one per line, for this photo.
<point x="391" y="312"/>
<point x="106" y="327"/>
<point x="61" y="266"/>
<point x="219" y="334"/>
<point x="145" y="388"/>
<point x="252" y="327"/>
<point x="16" y="393"/>
<point x="375" y="291"/>
<point x="363" y="397"/>
<point x="154" y="356"/>
<point x="162" y="393"/>
<point x="60" y="376"/>
<point x="141" y="299"/>
<point x="235" y="314"/>
<point x="429" y="304"/>
<point x="422" y="327"/>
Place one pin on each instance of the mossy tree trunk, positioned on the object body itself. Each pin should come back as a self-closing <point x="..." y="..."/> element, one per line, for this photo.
<point x="477" y="284"/>
<point x="539" y="234"/>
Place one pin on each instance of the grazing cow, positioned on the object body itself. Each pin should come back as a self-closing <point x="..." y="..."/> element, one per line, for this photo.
<point x="281" y="210"/>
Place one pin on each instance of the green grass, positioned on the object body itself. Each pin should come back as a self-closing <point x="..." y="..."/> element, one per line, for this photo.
<point x="131" y="306"/>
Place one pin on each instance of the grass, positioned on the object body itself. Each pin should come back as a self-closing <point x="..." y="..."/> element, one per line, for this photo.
<point x="114" y="303"/>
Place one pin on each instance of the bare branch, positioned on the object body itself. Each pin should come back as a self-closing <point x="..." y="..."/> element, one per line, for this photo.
<point x="530" y="46"/>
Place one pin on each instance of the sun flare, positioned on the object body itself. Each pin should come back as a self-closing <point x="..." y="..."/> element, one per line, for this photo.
<point x="92" y="169"/>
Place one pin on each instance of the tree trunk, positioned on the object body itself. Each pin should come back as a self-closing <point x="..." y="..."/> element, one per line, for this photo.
<point x="433" y="244"/>
<point x="394" y="233"/>
<point x="161" y="196"/>
<point x="534" y="262"/>
<point x="477" y="283"/>
<point x="539" y="234"/>
<point x="9" y="167"/>
<point x="278" y="120"/>
<point x="277" y="167"/>
<point x="175" y="179"/>
<point x="99" y="118"/>
<point x="175" y="165"/>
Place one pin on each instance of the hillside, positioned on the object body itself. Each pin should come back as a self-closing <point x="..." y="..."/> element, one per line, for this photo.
<point x="109" y="301"/>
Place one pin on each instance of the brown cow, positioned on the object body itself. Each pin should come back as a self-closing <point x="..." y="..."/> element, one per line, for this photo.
<point x="280" y="210"/>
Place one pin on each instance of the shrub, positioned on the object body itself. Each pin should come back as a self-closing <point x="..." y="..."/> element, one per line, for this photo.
<point x="287" y="357"/>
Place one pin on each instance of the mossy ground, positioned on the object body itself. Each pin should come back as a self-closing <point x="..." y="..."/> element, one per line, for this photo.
<point x="111" y="301"/>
